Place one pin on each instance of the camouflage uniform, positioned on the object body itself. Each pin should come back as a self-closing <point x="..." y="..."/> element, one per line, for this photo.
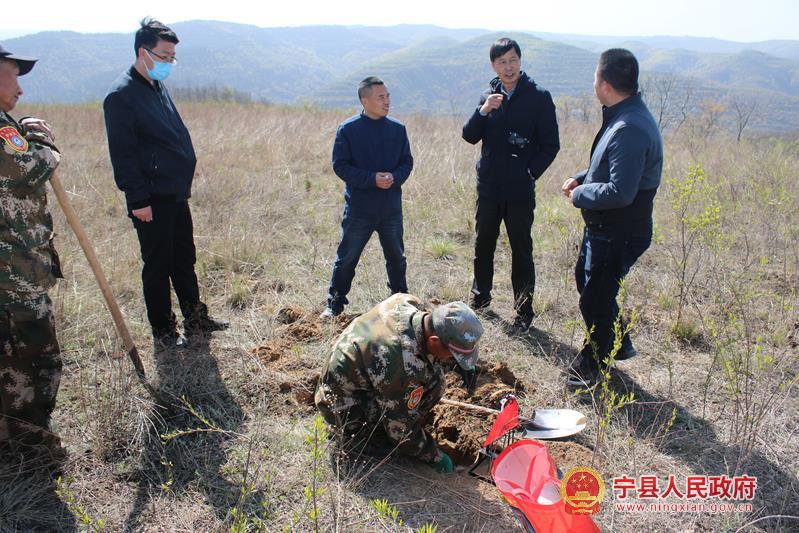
<point x="380" y="379"/>
<point x="30" y="358"/>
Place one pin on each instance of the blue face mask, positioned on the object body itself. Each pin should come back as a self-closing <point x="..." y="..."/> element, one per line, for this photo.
<point x="160" y="71"/>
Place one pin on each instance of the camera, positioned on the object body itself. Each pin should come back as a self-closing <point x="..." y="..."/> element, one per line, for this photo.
<point x="517" y="140"/>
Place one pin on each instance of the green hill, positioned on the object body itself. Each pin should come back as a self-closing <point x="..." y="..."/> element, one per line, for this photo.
<point x="429" y="69"/>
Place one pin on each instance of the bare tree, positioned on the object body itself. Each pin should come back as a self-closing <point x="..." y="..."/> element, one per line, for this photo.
<point x="658" y="91"/>
<point x="743" y="109"/>
<point x="669" y="98"/>
<point x="686" y="103"/>
<point x="586" y="105"/>
<point x="711" y="112"/>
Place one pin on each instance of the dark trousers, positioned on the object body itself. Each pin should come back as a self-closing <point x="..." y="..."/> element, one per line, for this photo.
<point x="606" y="256"/>
<point x="355" y="233"/>
<point x="30" y="373"/>
<point x="167" y="249"/>
<point x="518" y="218"/>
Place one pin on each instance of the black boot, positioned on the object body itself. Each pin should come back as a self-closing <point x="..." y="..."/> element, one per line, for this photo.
<point x="199" y="323"/>
<point x="169" y="338"/>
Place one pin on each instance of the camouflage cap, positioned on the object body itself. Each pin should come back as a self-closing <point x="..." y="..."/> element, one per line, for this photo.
<point x="25" y="63"/>
<point x="459" y="329"/>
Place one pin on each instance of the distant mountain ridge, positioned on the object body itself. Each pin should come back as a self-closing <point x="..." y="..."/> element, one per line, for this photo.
<point x="429" y="68"/>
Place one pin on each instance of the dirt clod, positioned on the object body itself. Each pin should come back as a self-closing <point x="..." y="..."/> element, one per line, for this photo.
<point x="290" y="314"/>
<point x="567" y="455"/>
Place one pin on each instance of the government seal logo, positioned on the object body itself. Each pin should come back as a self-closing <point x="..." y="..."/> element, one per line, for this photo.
<point x="582" y="490"/>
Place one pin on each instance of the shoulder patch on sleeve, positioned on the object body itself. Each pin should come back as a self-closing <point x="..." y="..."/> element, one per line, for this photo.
<point x="12" y="137"/>
<point x="415" y="397"/>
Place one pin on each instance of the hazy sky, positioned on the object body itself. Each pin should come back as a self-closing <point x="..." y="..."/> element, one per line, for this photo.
<point x="739" y="20"/>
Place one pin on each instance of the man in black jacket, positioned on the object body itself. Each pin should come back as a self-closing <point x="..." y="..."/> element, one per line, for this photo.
<point x="616" y="195"/>
<point x="153" y="160"/>
<point x="516" y="121"/>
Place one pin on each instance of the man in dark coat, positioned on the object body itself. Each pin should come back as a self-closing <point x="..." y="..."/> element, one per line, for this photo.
<point x="516" y="122"/>
<point x="616" y="195"/>
<point x="372" y="156"/>
<point x="153" y="159"/>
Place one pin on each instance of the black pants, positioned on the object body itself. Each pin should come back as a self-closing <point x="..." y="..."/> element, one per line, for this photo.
<point x="518" y="218"/>
<point x="167" y="249"/>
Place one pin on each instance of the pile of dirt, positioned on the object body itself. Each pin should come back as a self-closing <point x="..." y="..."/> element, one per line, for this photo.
<point x="567" y="455"/>
<point x="291" y="376"/>
<point x="298" y="326"/>
<point x="460" y="433"/>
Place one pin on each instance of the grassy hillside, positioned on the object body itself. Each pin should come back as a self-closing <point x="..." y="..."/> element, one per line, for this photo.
<point x="430" y="69"/>
<point x="445" y="76"/>
<point x="714" y="302"/>
<point x="748" y="69"/>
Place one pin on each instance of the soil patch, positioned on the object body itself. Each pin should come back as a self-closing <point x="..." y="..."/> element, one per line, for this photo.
<point x="289" y="375"/>
<point x="567" y="455"/>
<point x="460" y="433"/>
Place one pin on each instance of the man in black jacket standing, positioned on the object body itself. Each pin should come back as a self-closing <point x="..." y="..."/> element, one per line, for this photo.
<point x="616" y="195"/>
<point x="516" y="121"/>
<point x="153" y="159"/>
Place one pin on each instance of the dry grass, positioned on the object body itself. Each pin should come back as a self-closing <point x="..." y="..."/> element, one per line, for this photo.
<point x="266" y="208"/>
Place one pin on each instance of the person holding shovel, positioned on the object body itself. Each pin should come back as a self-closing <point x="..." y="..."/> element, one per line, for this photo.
<point x="386" y="373"/>
<point x="30" y="357"/>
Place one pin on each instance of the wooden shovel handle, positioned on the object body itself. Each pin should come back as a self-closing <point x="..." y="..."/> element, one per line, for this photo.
<point x="470" y="406"/>
<point x="88" y="250"/>
<point x="480" y="408"/>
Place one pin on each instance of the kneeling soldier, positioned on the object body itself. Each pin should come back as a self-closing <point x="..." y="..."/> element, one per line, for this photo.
<point x="385" y="374"/>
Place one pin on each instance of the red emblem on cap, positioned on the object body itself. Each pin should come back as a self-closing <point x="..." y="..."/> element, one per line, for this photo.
<point x="11" y="136"/>
<point x="415" y="397"/>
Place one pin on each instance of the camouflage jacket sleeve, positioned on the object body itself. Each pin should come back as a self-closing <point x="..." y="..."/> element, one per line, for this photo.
<point x="404" y="425"/>
<point x="28" y="261"/>
<point x="26" y="160"/>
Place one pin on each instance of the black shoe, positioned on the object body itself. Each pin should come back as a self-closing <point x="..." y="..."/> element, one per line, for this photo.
<point x="169" y="341"/>
<point x="480" y="303"/>
<point x="200" y="323"/>
<point x="626" y="352"/>
<point x="482" y="307"/>
<point x="521" y="325"/>
<point x="583" y="374"/>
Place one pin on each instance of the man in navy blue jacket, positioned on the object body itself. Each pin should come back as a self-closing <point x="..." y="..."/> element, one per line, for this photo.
<point x="153" y="160"/>
<point x="616" y="195"/>
<point x="516" y="122"/>
<point x="372" y="156"/>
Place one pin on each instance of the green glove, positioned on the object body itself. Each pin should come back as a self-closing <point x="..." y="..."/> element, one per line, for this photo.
<point x="444" y="465"/>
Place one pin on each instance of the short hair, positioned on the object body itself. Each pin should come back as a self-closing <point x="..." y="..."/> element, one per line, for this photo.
<point x="619" y="67"/>
<point x="150" y="32"/>
<point x="503" y="46"/>
<point x="367" y="84"/>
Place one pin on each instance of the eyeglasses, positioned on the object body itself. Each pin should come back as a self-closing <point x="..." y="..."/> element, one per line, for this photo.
<point x="165" y="59"/>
